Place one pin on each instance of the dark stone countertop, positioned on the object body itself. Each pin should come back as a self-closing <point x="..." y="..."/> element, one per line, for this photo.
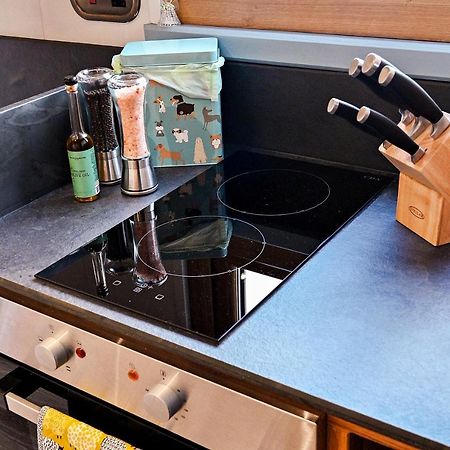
<point x="362" y="330"/>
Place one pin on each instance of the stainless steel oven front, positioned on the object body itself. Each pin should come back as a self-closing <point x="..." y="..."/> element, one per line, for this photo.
<point x="148" y="399"/>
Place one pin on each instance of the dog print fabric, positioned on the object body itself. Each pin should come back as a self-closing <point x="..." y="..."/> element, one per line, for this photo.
<point x="182" y="130"/>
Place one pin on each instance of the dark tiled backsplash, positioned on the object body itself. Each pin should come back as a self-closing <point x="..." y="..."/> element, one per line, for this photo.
<point x="32" y="142"/>
<point x="272" y="108"/>
<point x="284" y="109"/>
<point x="33" y="132"/>
<point x="32" y="66"/>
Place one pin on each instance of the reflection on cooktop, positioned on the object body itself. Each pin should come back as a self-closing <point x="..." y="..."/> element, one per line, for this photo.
<point x="206" y="254"/>
<point x="219" y="240"/>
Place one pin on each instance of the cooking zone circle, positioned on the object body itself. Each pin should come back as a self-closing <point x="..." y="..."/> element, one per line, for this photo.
<point x="273" y="192"/>
<point x="202" y="246"/>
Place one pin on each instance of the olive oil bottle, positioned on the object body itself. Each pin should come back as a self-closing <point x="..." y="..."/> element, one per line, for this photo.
<point x="80" y="149"/>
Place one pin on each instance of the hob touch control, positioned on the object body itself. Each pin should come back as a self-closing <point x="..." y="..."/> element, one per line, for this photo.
<point x="54" y="351"/>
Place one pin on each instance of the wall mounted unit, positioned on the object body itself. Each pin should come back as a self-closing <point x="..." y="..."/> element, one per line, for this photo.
<point x="107" y="10"/>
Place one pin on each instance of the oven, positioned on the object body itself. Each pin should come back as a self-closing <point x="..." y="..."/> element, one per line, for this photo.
<point x="25" y="391"/>
<point x="139" y="399"/>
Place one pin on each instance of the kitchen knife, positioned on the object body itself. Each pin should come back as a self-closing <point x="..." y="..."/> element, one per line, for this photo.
<point x="391" y="131"/>
<point x="417" y="96"/>
<point x="349" y="112"/>
<point x="355" y="71"/>
<point x="373" y="64"/>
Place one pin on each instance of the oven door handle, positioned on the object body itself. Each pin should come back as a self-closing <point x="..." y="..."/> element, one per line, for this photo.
<point x="16" y="386"/>
<point x="22" y="407"/>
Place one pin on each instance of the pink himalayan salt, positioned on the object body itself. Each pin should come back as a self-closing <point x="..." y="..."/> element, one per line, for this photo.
<point x="131" y="105"/>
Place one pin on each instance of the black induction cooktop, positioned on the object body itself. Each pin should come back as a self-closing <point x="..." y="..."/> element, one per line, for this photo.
<point x="205" y="255"/>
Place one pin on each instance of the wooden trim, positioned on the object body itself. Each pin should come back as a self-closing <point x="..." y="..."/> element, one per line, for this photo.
<point x="337" y="437"/>
<point x="339" y="432"/>
<point x="413" y="19"/>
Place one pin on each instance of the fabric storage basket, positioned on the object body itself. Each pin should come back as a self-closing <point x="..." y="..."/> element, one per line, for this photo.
<point x="183" y="116"/>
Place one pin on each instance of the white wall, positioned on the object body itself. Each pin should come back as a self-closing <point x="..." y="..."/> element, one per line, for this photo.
<point x="56" y="20"/>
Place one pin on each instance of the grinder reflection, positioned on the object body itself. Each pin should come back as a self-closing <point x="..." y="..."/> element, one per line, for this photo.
<point x="96" y="248"/>
<point x="152" y="272"/>
<point x="119" y="251"/>
<point x="124" y="248"/>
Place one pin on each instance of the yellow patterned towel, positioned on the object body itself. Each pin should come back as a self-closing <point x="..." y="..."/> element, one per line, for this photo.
<point x="56" y="431"/>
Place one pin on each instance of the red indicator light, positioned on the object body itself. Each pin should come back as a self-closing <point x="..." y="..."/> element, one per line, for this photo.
<point x="80" y="352"/>
<point x="93" y="2"/>
<point x="133" y="375"/>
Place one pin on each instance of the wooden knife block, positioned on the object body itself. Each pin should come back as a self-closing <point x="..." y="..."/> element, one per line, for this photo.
<point x="423" y="203"/>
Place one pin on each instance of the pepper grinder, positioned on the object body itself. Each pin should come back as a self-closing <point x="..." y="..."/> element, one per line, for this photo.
<point x="128" y="93"/>
<point x="93" y="83"/>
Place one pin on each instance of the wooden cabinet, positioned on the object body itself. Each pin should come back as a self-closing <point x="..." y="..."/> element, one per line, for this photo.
<point x="343" y="435"/>
<point x="411" y="19"/>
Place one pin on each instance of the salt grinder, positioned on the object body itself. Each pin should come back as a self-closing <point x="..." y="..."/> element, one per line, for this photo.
<point x="128" y="93"/>
<point x="93" y="83"/>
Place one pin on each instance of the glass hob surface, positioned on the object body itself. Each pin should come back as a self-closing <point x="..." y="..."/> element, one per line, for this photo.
<point x="201" y="258"/>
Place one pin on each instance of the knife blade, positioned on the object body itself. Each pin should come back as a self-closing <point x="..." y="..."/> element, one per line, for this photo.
<point x="356" y="71"/>
<point x="349" y="112"/>
<point x="416" y="95"/>
<point x="391" y="131"/>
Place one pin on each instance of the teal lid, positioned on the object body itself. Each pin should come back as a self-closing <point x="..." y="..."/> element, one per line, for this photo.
<point x="170" y="51"/>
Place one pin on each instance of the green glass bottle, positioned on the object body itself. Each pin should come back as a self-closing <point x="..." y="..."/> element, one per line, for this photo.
<point x="80" y="149"/>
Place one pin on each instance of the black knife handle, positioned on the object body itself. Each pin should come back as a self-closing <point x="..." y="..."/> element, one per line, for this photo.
<point x="387" y="94"/>
<point x="388" y="129"/>
<point x="411" y="92"/>
<point x="373" y="64"/>
<point x="343" y="109"/>
<point x="355" y="71"/>
<point x="349" y="112"/>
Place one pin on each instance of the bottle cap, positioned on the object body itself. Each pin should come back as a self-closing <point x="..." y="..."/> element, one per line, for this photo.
<point x="70" y="80"/>
<point x="71" y="84"/>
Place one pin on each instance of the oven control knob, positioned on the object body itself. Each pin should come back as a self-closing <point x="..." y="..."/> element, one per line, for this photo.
<point x="162" y="402"/>
<point x="54" y="351"/>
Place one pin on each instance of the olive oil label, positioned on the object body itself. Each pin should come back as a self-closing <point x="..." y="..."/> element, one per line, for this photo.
<point x="83" y="169"/>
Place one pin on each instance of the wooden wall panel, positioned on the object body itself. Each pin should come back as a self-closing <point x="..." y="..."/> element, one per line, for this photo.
<point x="405" y="19"/>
